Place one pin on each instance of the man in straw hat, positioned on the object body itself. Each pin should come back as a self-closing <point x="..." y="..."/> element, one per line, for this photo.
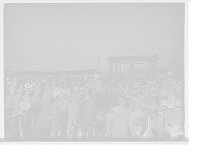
<point x="158" y="122"/>
<point x="88" y="117"/>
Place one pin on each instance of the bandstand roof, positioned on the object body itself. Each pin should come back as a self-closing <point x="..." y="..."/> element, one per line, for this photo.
<point x="173" y="61"/>
<point x="133" y="52"/>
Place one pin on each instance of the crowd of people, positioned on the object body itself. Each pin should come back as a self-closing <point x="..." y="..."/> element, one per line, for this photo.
<point x="93" y="106"/>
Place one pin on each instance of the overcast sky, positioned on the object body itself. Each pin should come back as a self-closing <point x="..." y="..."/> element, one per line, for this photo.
<point x="71" y="36"/>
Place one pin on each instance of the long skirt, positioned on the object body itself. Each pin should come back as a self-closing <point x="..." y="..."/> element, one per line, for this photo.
<point x="43" y="125"/>
<point x="31" y="117"/>
<point x="120" y="129"/>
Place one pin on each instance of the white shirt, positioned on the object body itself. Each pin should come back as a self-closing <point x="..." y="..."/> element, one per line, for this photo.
<point x="157" y="126"/>
<point x="17" y="108"/>
<point x="63" y="104"/>
<point x="138" y="118"/>
<point x="73" y="108"/>
<point x="55" y="108"/>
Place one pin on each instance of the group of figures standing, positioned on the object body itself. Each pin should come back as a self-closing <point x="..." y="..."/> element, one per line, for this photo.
<point x="40" y="106"/>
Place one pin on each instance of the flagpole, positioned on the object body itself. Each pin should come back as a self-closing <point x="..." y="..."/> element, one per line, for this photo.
<point x="20" y="75"/>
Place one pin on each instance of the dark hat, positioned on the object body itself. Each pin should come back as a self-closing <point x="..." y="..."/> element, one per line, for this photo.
<point x="169" y="74"/>
<point x="57" y="98"/>
<point x="25" y="105"/>
<point x="141" y="104"/>
<point x="122" y="101"/>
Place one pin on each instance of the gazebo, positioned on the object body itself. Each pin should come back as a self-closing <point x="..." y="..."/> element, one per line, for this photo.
<point x="131" y="62"/>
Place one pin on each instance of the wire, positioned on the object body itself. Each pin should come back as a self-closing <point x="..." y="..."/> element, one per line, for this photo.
<point x="13" y="20"/>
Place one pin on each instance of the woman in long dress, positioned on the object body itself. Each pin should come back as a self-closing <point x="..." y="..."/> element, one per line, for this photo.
<point x="121" y="118"/>
<point x="43" y="124"/>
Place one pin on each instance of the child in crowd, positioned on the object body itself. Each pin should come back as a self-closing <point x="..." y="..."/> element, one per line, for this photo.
<point x="100" y="126"/>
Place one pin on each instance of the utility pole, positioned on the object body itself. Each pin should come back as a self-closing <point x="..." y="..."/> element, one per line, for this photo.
<point x="98" y="62"/>
<point x="86" y="64"/>
<point x="20" y="75"/>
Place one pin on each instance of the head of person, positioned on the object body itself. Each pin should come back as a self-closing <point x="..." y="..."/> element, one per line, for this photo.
<point x="25" y="105"/>
<point x="141" y="104"/>
<point x="19" y="92"/>
<point x="161" y="109"/>
<point x="57" y="98"/>
<point x="88" y="98"/>
<point x="47" y="94"/>
<point x="122" y="101"/>
<point x="171" y="103"/>
<point x="170" y="74"/>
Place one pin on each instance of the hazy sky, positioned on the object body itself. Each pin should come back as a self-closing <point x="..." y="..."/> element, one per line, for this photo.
<point x="71" y="36"/>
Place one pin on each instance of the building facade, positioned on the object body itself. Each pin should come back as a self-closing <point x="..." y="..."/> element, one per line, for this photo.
<point x="132" y="62"/>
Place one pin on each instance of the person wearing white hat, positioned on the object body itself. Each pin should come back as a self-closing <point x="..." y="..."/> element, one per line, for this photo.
<point x="157" y="124"/>
<point x="87" y="112"/>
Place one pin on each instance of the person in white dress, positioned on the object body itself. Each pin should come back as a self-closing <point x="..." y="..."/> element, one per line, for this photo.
<point x="56" y="115"/>
<point x="109" y="122"/>
<point x="43" y="125"/>
<point x="121" y="118"/>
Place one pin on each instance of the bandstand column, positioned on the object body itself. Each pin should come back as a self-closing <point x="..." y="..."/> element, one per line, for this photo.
<point x="110" y="69"/>
<point x="133" y="66"/>
<point x="116" y="69"/>
<point x="131" y="69"/>
<point x="119" y="73"/>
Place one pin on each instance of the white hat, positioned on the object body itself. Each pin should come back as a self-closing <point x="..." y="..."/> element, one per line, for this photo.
<point x="26" y="89"/>
<point x="36" y="89"/>
<point x="88" y="98"/>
